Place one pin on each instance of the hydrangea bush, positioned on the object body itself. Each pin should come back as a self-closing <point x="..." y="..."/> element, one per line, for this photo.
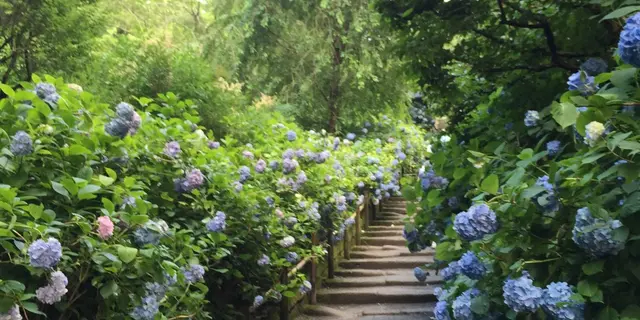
<point x="544" y="223"/>
<point x="134" y="211"/>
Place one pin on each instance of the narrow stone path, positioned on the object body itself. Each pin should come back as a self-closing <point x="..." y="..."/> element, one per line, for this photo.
<point x="377" y="283"/>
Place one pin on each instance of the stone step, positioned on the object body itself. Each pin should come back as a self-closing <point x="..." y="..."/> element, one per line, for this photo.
<point x="391" y="215"/>
<point x="383" y="227"/>
<point x="359" y="273"/>
<point x="398" y="210"/>
<point x="387" y="223"/>
<point x="383" y="233"/>
<point x="387" y="254"/>
<point x="387" y="309"/>
<point x="381" y="241"/>
<point x="395" y="279"/>
<point x="390" y="248"/>
<point x="385" y="294"/>
<point x="401" y="262"/>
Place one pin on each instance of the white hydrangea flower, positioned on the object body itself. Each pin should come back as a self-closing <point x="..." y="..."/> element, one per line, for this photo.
<point x="594" y="131"/>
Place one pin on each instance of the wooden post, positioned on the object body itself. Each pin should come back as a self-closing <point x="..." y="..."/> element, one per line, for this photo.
<point x="345" y="242"/>
<point x="314" y="272"/>
<point x="367" y="208"/>
<point x="330" y="260"/>
<point x="358" y="214"/>
<point x="284" y="302"/>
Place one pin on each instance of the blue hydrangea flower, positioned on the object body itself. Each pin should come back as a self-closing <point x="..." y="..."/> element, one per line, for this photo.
<point x="531" y="118"/>
<point x="629" y="43"/>
<point x="349" y="221"/>
<point x="172" y="149"/>
<point x="582" y="83"/>
<point x="218" y="223"/>
<point x="336" y="143"/>
<point x="365" y="130"/>
<point x="291" y="135"/>
<point x="508" y="126"/>
<point x="521" y="295"/>
<point x="302" y="178"/>
<point x="261" y="165"/>
<point x="47" y="92"/>
<point x="402" y="156"/>
<point x="264" y="260"/>
<point x="245" y="174"/>
<point x="595" y="235"/>
<point x="544" y="182"/>
<point x="351" y="136"/>
<point x="247" y="154"/>
<point x="420" y="274"/>
<point x="45" y="254"/>
<point x="117" y="127"/>
<point x="341" y="203"/>
<point x="553" y="147"/>
<point x="257" y="302"/>
<point x="55" y="290"/>
<point x="360" y="184"/>
<point x="147" y="310"/>
<point x="453" y="202"/>
<point x="582" y="109"/>
<point x="300" y="153"/>
<point x="471" y="266"/>
<point x="274" y="165"/>
<point x="462" y="305"/>
<point x="193" y="273"/>
<point x="476" y="222"/>
<point x="441" y="311"/>
<point x="213" y="144"/>
<point x="313" y="213"/>
<point x="322" y="156"/>
<point x="451" y="271"/>
<point x="292" y="257"/>
<point x="594" y="66"/>
<point x="557" y="302"/>
<point x="21" y="144"/>
<point x="194" y="179"/>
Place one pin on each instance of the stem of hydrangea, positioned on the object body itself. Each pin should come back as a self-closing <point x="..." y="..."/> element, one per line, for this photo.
<point x="184" y="294"/>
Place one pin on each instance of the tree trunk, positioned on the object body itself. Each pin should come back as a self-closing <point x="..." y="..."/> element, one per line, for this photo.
<point x="334" y="91"/>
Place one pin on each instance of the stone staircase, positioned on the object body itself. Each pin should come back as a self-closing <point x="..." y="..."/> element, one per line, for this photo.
<point x="378" y="281"/>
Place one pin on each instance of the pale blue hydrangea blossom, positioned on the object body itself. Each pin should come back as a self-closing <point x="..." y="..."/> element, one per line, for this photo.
<point x="557" y="302"/>
<point x="45" y="254"/>
<point x="596" y="236"/>
<point x="218" y="223"/>
<point x="21" y="144"/>
<point x="476" y="222"/>
<point x="471" y="266"/>
<point x="521" y="295"/>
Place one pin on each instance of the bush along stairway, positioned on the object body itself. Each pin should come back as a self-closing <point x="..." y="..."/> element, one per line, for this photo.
<point x="378" y="281"/>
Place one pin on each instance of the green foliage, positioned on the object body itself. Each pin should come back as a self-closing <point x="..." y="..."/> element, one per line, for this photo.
<point x="77" y="172"/>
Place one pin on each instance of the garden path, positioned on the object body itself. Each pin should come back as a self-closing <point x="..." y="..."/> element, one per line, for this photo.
<point x="377" y="283"/>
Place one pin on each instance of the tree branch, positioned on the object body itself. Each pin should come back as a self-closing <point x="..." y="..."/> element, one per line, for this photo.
<point x="519" y="24"/>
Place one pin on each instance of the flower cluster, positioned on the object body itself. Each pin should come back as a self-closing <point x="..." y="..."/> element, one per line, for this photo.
<point x="429" y="180"/>
<point x="593" y="131"/>
<point x="292" y="257"/>
<point x="476" y="222"/>
<point x="172" y="149"/>
<point x="218" y="223"/>
<point x="287" y="241"/>
<point x="420" y="274"/>
<point x="55" y="290"/>
<point x="595" y="235"/>
<point x="531" y="118"/>
<point x="629" y="43"/>
<point x="126" y="121"/>
<point x="462" y="305"/>
<point x="47" y="92"/>
<point x="594" y="66"/>
<point x="521" y="295"/>
<point x="193" y="273"/>
<point x="582" y="82"/>
<point x="192" y="180"/>
<point x="291" y="135"/>
<point x="553" y="147"/>
<point x="451" y="271"/>
<point x="105" y="227"/>
<point x="12" y="314"/>
<point x="45" y="254"/>
<point x="21" y="144"/>
<point x="151" y="232"/>
<point x="471" y="266"/>
<point x="557" y="302"/>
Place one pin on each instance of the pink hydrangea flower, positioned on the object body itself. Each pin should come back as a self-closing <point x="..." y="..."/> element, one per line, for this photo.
<point x="105" y="227"/>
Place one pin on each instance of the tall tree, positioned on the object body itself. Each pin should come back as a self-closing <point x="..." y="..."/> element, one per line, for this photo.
<point x="330" y="59"/>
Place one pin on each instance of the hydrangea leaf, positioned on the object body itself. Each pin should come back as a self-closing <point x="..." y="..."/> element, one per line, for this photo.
<point x="587" y="288"/>
<point x="127" y="254"/>
<point x="631" y="312"/>
<point x="564" y="113"/>
<point x="592" y="268"/>
<point x="490" y="184"/>
<point x="608" y="313"/>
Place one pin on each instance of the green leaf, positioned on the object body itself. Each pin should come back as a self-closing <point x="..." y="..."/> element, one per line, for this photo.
<point x="490" y="184"/>
<point x="109" y="289"/>
<point x="623" y="79"/>
<point x="621" y="12"/>
<point x="60" y="189"/>
<point x="88" y="190"/>
<point x="480" y="304"/>
<point x="112" y="174"/>
<point x="458" y="173"/>
<point x="106" y="181"/>
<point x="593" y="158"/>
<point x="629" y="145"/>
<point x="7" y="90"/>
<point x="592" y="268"/>
<point x="631" y="312"/>
<point x="587" y="288"/>
<point x="31" y="307"/>
<point x="77" y="149"/>
<point x="289" y="294"/>
<point x="631" y="205"/>
<point x="616" y="139"/>
<point x="525" y="154"/>
<point x="564" y="113"/>
<point x="108" y="205"/>
<point x="407" y="12"/>
<point x="608" y="313"/>
<point x="127" y="254"/>
<point x="516" y="177"/>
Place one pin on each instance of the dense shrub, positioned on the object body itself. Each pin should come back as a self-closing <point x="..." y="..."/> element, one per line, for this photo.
<point x="538" y="219"/>
<point x="133" y="211"/>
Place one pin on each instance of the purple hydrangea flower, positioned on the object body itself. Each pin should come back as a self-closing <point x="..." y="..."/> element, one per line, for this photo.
<point x="195" y="178"/>
<point x="45" y="254"/>
<point x="274" y="165"/>
<point x="264" y="260"/>
<point x="193" y="273"/>
<point x="245" y="173"/>
<point x="305" y="287"/>
<point x="261" y="165"/>
<point x="289" y="165"/>
<point x="292" y="257"/>
<point x="302" y="178"/>
<point x="55" y="290"/>
<point x="213" y="144"/>
<point x="247" y="154"/>
<point x="12" y="314"/>
<point x="172" y="149"/>
<point x="21" y="144"/>
<point x="218" y="223"/>
<point x="291" y="135"/>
